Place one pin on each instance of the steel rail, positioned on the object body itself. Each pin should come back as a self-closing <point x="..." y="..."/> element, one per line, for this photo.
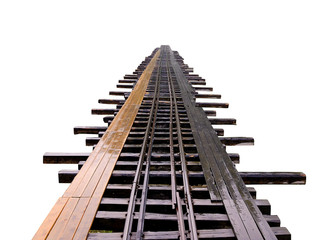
<point x="141" y="217"/>
<point x="175" y="196"/>
<point x="172" y="166"/>
<point x="190" y="210"/>
<point x="135" y="184"/>
<point x="181" y="224"/>
<point x="245" y="217"/>
<point x="74" y="213"/>
<point x="159" y="170"/>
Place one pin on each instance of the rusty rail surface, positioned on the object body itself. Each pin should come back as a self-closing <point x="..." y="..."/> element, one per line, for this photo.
<point x="160" y="170"/>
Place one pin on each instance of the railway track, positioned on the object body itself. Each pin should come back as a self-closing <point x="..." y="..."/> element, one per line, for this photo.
<point x="160" y="169"/>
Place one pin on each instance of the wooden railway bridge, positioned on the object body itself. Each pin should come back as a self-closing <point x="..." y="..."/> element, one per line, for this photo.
<point x="160" y="170"/>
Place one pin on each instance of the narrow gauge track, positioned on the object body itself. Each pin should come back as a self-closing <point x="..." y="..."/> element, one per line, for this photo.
<point x="160" y="170"/>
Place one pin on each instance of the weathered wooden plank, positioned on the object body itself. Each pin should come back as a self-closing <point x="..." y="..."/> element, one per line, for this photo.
<point x="127" y="81"/>
<point x="166" y="187"/>
<point x="75" y="218"/>
<point x="219" y="131"/>
<point x="124" y="120"/>
<point x="123" y="190"/>
<point x="224" y="234"/>
<point x="131" y="76"/>
<point x="235" y="157"/>
<point x="203" y="88"/>
<point x="50" y="220"/>
<point x="195" y="82"/>
<point x="273" y="177"/>
<point x="234" y="141"/>
<point x="108" y="119"/>
<point x="63" y="219"/>
<point x="90" y="141"/>
<point x="103" y="111"/>
<point x="229" y="185"/>
<point x="66" y="176"/>
<point x="228" y="141"/>
<point x="111" y="101"/>
<point x="222" y="121"/>
<point x="89" y="129"/>
<point x="101" y="162"/>
<point x="64" y="158"/>
<point x="262" y="204"/>
<point x="213" y="217"/>
<point x="200" y="95"/>
<point x="90" y="212"/>
<point x="213" y="105"/>
<point x="124" y="86"/>
<point x="117" y="93"/>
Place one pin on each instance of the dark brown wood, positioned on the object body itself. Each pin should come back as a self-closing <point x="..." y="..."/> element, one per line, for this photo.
<point x="74" y="219"/>
<point x="127" y="81"/>
<point x="200" y="95"/>
<point x="212" y="217"/>
<point x="124" y="86"/>
<point x="89" y="129"/>
<point x="219" y="131"/>
<point x="213" y="105"/>
<point x="198" y="82"/>
<point x="227" y="179"/>
<point x="64" y="158"/>
<point x="203" y="88"/>
<point x="228" y="141"/>
<point x="273" y="177"/>
<point x="131" y="76"/>
<point x="223" y="234"/>
<point x="111" y="101"/>
<point x="204" y="205"/>
<point x="222" y="121"/>
<point x="108" y="119"/>
<point x="116" y="93"/>
<point x="66" y="176"/>
<point x="234" y="141"/>
<point x="197" y="191"/>
<point x="103" y="111"/>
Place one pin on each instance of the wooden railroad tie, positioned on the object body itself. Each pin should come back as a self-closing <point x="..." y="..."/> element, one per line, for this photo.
<point x="159" y="169"/>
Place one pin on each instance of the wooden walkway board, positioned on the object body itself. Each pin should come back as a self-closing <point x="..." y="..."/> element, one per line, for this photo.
<point x="72" y="215"/>
<point x="243" y="214"/>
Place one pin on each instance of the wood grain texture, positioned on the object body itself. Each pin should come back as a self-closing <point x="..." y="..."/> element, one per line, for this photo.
<point x="66" y="220"/>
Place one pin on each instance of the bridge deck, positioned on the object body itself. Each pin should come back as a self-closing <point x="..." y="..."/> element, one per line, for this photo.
<point x="160" y="170"/>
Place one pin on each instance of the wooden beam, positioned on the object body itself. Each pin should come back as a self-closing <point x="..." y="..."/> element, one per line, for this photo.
<point x="124" y="86"/>
<point x="203" y="88"/>
<point x="117" y="93"/>
<point x="213" y="105"/>
<point x="89" y="129"/>
<point x="90" y="183"/>
<point x="64" y="158"/>
<point x="222" y="121"/>
<point x="103" y="111"/>
<point x="194" y="82"/>
<point x="216" y="96"/>
<point x="273" y="177"/>
<point x="66" y="176"/>
<point x="127" y="81"/>
<point x="111" y="101"/>
<point x="225" y="234"/>
<point x="131" y="76"/>
<point x="234" y="141"/>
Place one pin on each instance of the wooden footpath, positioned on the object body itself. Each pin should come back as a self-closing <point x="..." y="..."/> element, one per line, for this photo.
<point x="159" y="168"/>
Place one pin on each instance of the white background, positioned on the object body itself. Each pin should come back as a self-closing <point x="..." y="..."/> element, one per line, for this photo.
<point x="58" y="57"/>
